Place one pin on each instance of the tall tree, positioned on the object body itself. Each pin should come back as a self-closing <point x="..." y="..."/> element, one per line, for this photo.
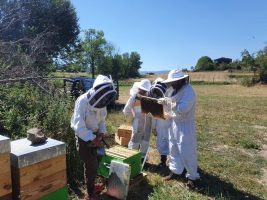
<point x="135" y="64"/>
<point x="247" y="60"/>
<point x="33" y="33"/>
<point x="261" y="61"/>
<point x="204" y="64"/>
<point x="94" y="49"/>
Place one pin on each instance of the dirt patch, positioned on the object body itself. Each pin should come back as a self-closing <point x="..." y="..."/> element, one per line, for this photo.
<point x="245" y="152"/>
<point x="263" y="179"/>
<point x="263" y="152"/>
<point x="260" y="127"/>
<point x="218" y="148"/>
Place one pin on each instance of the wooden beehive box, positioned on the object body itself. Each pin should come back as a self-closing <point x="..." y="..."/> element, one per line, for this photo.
<point x="38" y="171"/>
<point x="5" y="172"/>
<point x="123" y="135"/>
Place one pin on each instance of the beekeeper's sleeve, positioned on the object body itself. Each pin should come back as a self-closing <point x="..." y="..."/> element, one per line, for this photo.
<point x="78" y="123"/>
<point x="186" y="102"/>
<point x="102" y="123"/>
<point x="128" y="108"/>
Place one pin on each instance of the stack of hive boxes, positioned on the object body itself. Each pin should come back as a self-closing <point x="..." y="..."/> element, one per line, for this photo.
<point x="38" y="171"/>
<point x="5" y="173"/>
<point x="123" y="135"/>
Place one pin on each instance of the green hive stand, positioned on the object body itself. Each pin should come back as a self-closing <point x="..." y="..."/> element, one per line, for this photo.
<point x="124" y="155"/>
<point x="61" y="194"/>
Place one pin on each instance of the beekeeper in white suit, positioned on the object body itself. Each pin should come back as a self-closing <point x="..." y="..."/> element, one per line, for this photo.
<point x="88" y="122"/>
<point x="183" y="145"/>
<point x="141" y="123"/>
<point x="160" y="127"/>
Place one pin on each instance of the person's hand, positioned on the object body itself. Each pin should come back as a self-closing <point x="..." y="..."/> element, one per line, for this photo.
<point x="138" y="96"/>
<point x="149" y="114"/>
<point x="97" y="142"/>
<point x="100" y="136"/>
<point x="162" y="101"/>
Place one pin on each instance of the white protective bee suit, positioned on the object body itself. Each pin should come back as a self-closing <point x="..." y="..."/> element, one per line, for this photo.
<point x="90" y="112"/>
<point x="88" y="122"/>
<point x="183" y="145"/>
<point x="141" y="123"/>
<point x="161" y="126"/>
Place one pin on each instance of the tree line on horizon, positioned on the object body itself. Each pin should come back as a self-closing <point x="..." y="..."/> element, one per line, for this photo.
<point x="256" y="62"/>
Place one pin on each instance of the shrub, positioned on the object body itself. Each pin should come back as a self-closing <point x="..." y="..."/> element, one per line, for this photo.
<point x="24" y="107"/>
<point x="246" y="81"/>
<point x="263" y="74"/>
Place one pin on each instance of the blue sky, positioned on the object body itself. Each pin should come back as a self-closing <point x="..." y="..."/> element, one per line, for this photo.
<point x="176" y="33"/>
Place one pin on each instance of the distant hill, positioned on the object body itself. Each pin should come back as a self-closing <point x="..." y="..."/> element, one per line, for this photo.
<point x="154" y="72"/>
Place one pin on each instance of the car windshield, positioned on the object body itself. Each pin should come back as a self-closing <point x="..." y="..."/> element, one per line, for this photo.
<point x="88" y="84"/>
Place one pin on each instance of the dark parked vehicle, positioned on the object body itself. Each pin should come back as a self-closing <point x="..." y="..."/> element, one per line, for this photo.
<point x="81" y="84"/>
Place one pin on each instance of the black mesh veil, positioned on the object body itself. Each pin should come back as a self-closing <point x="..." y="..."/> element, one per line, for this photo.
<point x="102" y="96"/>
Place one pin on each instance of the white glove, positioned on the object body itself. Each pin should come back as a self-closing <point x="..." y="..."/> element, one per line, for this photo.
<point x="149" y="114"/>
<point x="162" y="101"/>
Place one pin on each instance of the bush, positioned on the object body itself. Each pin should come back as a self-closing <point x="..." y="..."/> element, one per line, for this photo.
<point x="23" y="107"/>
<point x="263" y="74"/>
<point x="247" y="81"/>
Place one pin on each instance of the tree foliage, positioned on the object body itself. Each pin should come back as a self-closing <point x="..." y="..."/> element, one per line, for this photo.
<point x="33" y="33"/>
<point x="247" y="60"/>
<point x="204" y="64"/>
<point x="261" y="61"/>
<point x="98" y="55"/>
<point x="94" y="48"/>
<point x="121" y="66"/>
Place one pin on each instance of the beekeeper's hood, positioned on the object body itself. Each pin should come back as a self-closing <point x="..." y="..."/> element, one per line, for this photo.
<point x="102" y="92"/>
<point x="143" y="85"/>
<point x="175" y="75"/>
<point x="158" y="88"/>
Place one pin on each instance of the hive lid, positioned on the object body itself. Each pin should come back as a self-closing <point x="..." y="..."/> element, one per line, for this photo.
<point x="4" y="144"/>
<point x="121" y="152"/>
<point x="23" y="153"/>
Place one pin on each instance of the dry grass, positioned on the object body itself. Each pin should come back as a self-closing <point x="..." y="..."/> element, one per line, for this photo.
<point x="231" y="134"/>
<point x="231" y="127"/>
<point x="211" y="77"/>
<point x="215" y="76"/>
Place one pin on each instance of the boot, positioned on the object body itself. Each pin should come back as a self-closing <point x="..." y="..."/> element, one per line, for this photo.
<point x="194" y="184"/>
<point x="162" y="164"/>
<point x="172" y="176"/>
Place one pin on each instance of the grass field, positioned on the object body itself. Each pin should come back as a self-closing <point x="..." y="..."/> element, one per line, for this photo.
<point x="213" y="77"/>
<point x="232" y="141"/>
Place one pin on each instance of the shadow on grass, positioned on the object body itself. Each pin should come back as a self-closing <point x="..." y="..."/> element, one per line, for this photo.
<point x="213" y="186"/>
<point x="138" y="191"/>
<point x="210" y="185"/>
<point x="115" y="107"/>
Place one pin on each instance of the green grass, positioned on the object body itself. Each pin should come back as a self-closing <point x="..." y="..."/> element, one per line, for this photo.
<point x="229" y="145"/>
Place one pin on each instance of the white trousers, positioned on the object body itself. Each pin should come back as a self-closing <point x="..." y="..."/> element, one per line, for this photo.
<point x="183" y="153"/>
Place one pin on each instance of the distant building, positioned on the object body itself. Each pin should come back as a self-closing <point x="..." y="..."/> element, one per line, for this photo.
<point x="218" y="61"/>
